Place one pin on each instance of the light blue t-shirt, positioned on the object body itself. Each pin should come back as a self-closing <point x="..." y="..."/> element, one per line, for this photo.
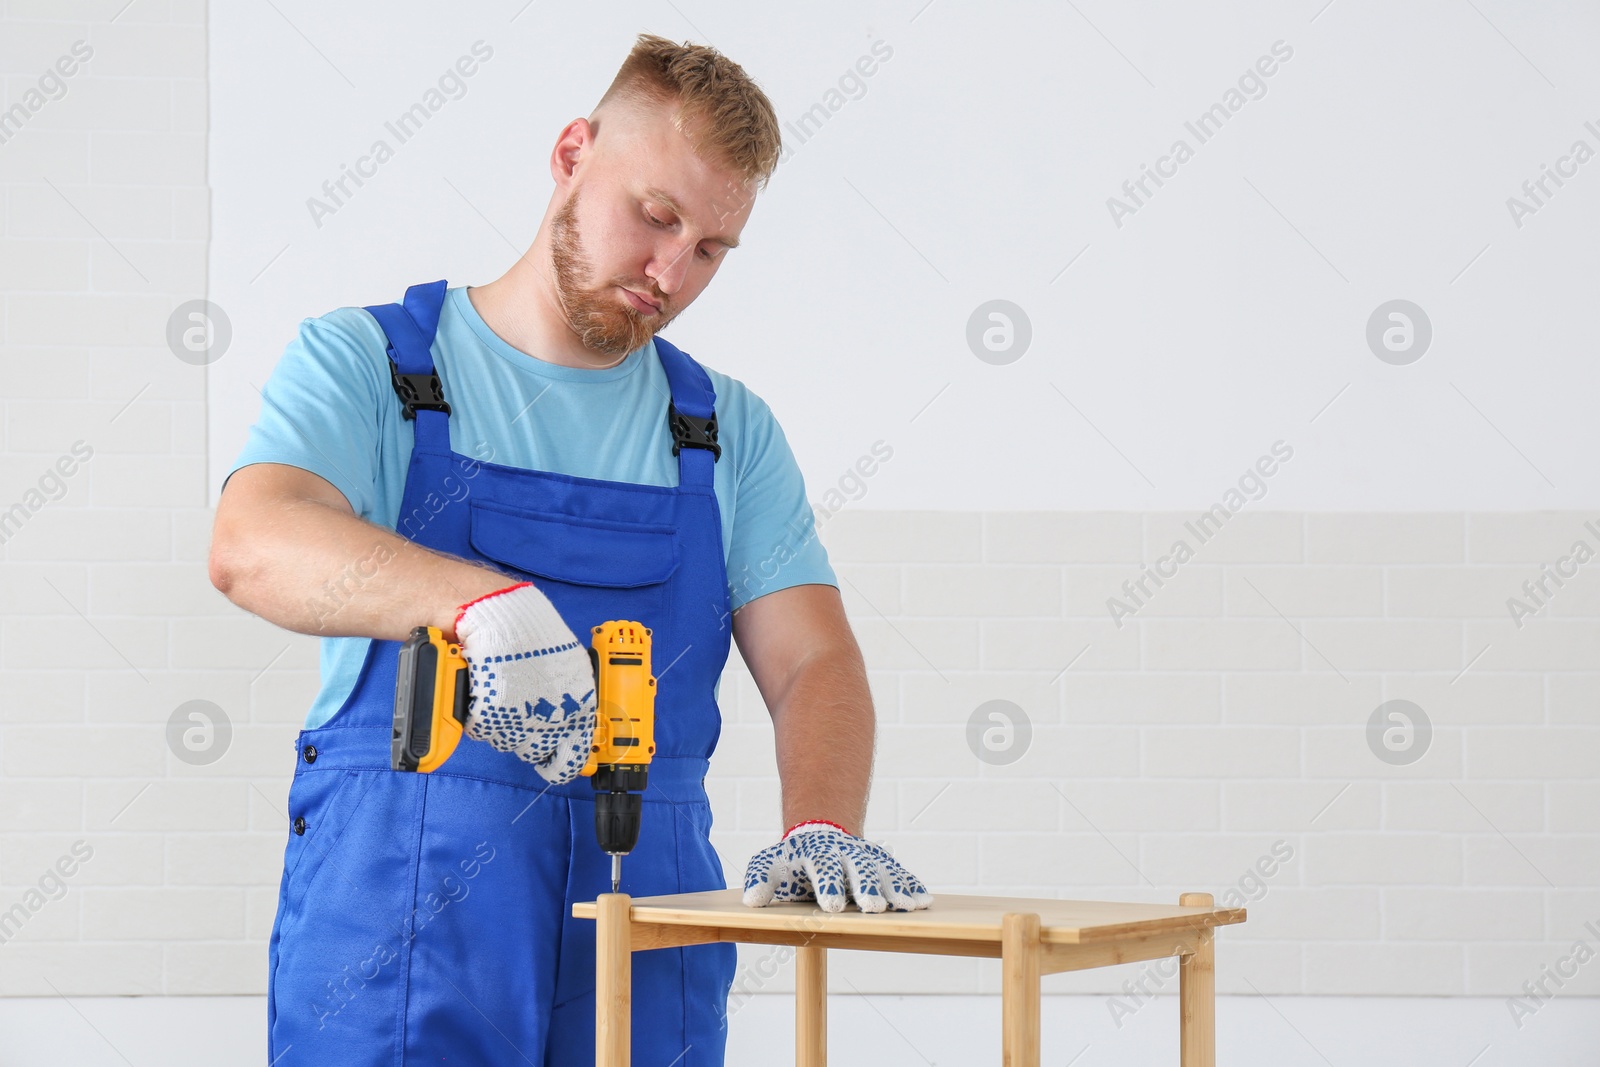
<point x="330" y="408"/>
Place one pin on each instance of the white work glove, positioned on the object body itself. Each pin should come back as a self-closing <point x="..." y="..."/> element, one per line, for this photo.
<point x="819" y="860"/>
<point x="533" y="691"/>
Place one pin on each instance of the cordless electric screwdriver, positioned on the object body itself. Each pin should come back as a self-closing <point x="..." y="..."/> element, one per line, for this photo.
<point x="432" y="695"/>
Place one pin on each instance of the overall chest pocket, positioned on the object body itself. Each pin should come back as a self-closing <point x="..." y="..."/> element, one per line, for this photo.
<point x="591" y="569"/>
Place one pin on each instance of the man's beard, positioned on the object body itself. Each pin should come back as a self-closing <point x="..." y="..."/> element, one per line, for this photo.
<point x="602" y="318"/>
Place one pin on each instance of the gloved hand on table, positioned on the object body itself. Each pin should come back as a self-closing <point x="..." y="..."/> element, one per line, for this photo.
<point x="819" y="860"/>
<point x="533" y="691"/>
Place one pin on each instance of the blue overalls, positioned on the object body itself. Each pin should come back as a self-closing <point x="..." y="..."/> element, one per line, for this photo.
<point x="426" y="918"/>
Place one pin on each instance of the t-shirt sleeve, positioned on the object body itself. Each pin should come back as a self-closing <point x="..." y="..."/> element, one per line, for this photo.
<point x="774" y="544"/>
<point x="321" y="409"/>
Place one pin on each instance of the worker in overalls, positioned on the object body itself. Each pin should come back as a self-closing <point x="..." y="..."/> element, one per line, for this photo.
<point x="516" y="463"/>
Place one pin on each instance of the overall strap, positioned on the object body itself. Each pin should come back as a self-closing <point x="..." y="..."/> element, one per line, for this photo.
<point x="691" y="415"/>
<point x="410" y="327"/>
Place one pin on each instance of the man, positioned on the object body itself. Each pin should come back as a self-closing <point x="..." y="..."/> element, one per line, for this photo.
<point x="425" y="918"/>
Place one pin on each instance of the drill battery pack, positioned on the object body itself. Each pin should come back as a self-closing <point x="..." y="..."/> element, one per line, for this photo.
<point x="432" y="692"/>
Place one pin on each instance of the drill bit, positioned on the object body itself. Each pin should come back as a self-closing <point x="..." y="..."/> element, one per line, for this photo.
<point x="616" y="870"/>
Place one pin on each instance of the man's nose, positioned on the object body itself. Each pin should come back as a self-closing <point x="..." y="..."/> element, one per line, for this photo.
<point x="672" y="265"/>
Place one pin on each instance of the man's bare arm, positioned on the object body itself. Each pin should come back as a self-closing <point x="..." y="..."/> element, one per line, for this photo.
<point x="805" y="661"/>
<point x="287" y="546"/>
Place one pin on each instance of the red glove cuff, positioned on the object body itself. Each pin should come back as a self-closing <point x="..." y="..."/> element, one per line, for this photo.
<point x="463" y="609"/>
<point x="813" y="822"/>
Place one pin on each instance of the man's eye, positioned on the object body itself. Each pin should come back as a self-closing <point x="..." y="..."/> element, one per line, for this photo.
<point x="707" y="256"/>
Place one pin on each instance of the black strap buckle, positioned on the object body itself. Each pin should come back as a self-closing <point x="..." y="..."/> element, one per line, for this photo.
<point x="417" y="391"/>
<point x="692" y="432"/>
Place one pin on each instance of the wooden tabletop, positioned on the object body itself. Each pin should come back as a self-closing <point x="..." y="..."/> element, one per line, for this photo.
<point x="950" y="917"/>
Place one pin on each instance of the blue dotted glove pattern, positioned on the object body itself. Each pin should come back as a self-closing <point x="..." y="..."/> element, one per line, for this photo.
<point x="833" y="868"/>
<point x="555" y="738"/>
<point x="532" y="682"/>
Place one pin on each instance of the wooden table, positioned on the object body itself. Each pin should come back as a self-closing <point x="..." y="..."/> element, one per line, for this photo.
<point x="1030" y="936"/>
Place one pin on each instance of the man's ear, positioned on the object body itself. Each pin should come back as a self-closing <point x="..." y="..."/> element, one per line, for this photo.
<point x="576" y="141"/>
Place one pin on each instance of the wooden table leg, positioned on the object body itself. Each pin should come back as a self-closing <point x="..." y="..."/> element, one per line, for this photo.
<point x="613" y="982"/>
<point x="1197" y="993"/>
<point x="811" y="1006"/>
<point x="1019" y="990"/>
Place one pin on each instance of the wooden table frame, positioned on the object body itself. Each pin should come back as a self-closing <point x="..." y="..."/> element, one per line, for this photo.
<point x="1031" y="938"/>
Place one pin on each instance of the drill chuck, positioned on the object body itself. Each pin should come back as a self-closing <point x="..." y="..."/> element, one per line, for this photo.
<point x="618" y="802"/>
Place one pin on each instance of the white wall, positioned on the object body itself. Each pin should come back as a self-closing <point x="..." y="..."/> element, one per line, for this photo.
<point x="114" y="855"/>
<point x="1227" y="313"/>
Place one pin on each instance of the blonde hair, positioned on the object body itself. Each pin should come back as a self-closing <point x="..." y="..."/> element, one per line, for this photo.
<point x="719" y="107"/>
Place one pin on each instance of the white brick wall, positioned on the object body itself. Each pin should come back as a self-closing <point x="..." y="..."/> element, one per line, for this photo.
<point x="1177" y="751"/>
<point x="103" y="232"/>
<point x="1227" y="716"/>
